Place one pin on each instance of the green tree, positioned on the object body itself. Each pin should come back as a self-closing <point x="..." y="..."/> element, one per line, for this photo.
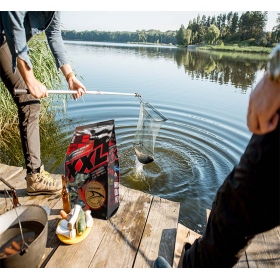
<point x="188" y="36"/>
<point x="276" y="30"/>
<point x="212" y="34"/>
<point x="234" y="23"/>
<point x="243" y="25"/>
<point x="252" y="24"/>
<point x="180" y="36"/>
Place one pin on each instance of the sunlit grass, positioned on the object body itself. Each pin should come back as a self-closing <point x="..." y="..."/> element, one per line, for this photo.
<point x="236" y="48"/>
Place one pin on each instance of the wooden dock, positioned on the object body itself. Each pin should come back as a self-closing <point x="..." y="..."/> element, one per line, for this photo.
<point x="143" y="228"/>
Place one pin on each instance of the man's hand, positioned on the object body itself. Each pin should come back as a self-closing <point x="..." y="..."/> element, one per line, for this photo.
<point x="262" y="116"/>
<point x="75" y="84"/>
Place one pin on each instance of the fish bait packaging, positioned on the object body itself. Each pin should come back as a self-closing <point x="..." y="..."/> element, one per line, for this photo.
<point x="92" y="169"/>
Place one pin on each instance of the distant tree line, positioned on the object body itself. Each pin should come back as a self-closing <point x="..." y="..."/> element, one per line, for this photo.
<point x="143" y="36"/>
<point x="248" y="29"/>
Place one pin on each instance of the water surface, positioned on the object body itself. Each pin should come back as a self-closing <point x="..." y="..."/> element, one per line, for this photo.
<point x="203" y="95"/>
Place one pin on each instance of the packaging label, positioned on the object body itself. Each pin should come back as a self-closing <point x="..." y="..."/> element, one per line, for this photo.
<point x="92" y="168"/>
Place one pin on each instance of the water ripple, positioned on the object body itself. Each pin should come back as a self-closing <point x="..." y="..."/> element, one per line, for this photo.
<point x="194" y="151"/>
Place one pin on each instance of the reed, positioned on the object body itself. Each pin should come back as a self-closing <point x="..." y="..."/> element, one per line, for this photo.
<point x="45" y="71"/>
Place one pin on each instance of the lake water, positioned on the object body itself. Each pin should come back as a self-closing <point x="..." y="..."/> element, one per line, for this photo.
<point x="203" y="95"/>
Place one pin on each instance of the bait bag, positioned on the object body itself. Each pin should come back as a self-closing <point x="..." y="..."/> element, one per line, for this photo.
<point x="92" y="169"/>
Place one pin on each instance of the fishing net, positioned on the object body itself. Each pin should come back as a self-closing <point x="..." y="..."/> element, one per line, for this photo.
<point x="149" y="123"/>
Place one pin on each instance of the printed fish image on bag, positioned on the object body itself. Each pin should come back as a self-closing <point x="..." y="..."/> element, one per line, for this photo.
<point x="92" y="169"/>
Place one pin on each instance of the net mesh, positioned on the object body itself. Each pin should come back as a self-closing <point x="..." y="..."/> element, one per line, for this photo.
<point x="149" y="123"/>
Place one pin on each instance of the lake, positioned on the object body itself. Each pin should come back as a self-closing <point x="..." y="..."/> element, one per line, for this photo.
<point x="204" y="96"/>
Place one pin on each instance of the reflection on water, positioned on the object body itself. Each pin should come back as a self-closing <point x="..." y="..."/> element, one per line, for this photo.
<point x="223" y="68"/>
<point x="204" y="96"/>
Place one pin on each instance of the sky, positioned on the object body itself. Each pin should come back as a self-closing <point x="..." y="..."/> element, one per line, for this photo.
<point x="138" y="20"/>
<point x="130" y="15"/>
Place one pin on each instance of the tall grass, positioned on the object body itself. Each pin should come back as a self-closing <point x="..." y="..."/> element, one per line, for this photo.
<point x="45" y="71"/>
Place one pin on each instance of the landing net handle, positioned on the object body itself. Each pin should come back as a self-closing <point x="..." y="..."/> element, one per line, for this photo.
<point x="24" y="91"/>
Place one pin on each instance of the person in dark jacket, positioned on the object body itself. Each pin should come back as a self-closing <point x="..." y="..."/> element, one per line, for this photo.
<point x="16" y="28"/>
<point x="247" y="203"/>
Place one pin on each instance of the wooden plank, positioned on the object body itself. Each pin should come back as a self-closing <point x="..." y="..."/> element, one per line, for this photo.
<point x="19" y="183"/>
<point x="106" y="237"/>
<point x="121" y="241"/>
<point x="60" y="255"/>
<point x="243" y="261"/>
<point x="7" y="172"/>
<point x="184" y="235"/>
<point x="263" y="252"/>
<point x="87" y="249"/>
<point x="52" y="242"/>
<point x="80" y="254"/>
<point x="18" y="180"/>
<point x="160" y="233"/>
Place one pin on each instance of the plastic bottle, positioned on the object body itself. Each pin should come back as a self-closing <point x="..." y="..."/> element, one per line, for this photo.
<point x="66" y="200"/>
<point x="15" y="198"/>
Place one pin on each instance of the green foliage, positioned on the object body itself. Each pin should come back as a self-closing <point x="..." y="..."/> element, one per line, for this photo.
<point x="45" y="71"/>
<point x="237" y="48"/>
<point x="220" y="43"/>
<point x="276" y="30"/>
<point x="180" y="36"/>
<point x="232" y="29"/>
<point x="212" y="34"/>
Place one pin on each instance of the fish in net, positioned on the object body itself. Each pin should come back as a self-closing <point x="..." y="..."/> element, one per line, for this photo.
<point x="149" y="123"/>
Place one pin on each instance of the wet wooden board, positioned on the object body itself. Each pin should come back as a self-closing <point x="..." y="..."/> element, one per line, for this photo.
<point x="159" y="236"/>
<point x="124" y="233"/>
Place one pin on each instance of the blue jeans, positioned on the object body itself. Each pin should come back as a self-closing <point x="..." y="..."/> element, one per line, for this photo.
<point x="246" y="204"/>
<point x="28" y="111"/>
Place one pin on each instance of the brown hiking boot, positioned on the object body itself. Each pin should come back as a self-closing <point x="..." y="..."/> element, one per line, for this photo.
<point x="43" y="183"/>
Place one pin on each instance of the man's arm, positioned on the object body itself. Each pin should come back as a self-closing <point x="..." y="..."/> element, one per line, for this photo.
<point x="16" y="36"/>
<point x="36" y="88"/>
<point x="53" y="33"/>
